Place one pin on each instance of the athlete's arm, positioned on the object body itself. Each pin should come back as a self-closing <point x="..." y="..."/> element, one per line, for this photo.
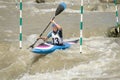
<point x="58" y="26"/>
<point x="60" y="33"/>
<point x="43" y="38"/>
<point x="46" y="38"/>
<point x="49" y="34"/>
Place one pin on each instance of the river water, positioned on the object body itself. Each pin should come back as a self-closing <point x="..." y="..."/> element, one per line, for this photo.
<point x="100" y="59"/>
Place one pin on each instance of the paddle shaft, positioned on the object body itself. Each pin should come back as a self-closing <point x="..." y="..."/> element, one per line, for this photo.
<point x="42" y="32"/>
<point x="46" y="27"/>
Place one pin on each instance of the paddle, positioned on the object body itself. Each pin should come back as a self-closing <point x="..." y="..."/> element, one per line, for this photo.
<point x="59" y="9"/>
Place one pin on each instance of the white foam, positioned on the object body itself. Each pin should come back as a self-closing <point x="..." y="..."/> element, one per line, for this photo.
<point x="94" y="68"/>
<point x="3" y="6"/>
<point x="32" y="38"/>
<point x="81" y="71"/>
<point x="72" y="11"/>
<point x="43" y="11"/>
<point x="98" y="43"/>
<point x="48" y="10"/>
<point x="11" y="40"/>
<point x="8" y="31"/>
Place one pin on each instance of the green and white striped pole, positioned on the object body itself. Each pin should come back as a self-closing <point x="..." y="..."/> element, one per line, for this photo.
<point x="117" y="19"/>
<point x="20" y="35"/>
<point x="81" y="26"/>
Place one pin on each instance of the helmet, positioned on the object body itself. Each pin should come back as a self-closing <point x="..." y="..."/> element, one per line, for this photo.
<point x="53" y="25"/>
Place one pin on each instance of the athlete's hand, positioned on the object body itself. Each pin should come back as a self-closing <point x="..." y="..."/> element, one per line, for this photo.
<point x="52" y="21"/>
<point x="38" y="38"/>
<point x="43" y="38"/>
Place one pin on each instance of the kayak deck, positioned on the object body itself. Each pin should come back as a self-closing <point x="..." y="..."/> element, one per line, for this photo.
<point x="48" y="47"/>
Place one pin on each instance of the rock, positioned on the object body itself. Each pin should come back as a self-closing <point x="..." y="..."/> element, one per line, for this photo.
<point x="112" y="32"/>
<point x="40" y="1"/>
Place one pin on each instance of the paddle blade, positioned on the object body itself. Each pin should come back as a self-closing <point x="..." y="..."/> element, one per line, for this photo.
<point x="60" y="8"/>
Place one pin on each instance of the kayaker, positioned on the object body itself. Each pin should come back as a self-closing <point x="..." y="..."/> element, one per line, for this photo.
<point x="56" y="34"/>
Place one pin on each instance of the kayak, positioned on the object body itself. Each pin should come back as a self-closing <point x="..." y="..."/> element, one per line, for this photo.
<point x="48" y="47"/>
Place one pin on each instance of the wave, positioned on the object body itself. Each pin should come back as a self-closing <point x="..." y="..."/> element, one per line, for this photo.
<point x="95" y="62"/>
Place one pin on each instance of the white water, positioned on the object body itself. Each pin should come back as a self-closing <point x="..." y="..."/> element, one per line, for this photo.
<point x="99" y="53"/>
<point x="99" y="60"/>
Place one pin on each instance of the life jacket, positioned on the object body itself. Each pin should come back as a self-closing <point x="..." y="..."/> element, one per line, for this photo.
<point x="57" y="40"/>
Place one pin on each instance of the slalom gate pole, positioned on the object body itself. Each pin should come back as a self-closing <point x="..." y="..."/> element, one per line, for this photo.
<point x="88" y="3"/>
<point x="117" y="19"/>
<point x="107" y="3"/>
<point x="20" y="25"/>
<point x="81" y="25"/>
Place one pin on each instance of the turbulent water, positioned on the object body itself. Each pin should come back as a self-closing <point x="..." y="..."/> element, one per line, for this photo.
<point x="100" y="59"/>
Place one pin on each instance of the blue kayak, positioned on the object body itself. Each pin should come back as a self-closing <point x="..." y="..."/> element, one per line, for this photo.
<point x="46" y="48"/>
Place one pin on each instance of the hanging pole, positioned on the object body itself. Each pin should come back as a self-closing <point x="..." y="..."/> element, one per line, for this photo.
<point x="117" y="19"/>
<point x="81" y="26"/>
<point x="107" y="3"/>
<point x="20" y="25"/>
<point x="72" y="2"/>
<point x="16" y="3"/>
<point x="88" y="3"/>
